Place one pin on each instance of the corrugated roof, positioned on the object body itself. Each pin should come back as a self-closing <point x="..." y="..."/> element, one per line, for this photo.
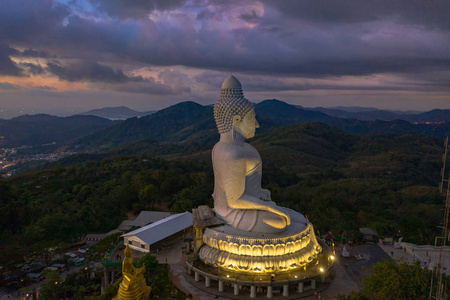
<point x="161" y="229"/>
<point x="146" y="217"/>
<point x="369" y="231"/>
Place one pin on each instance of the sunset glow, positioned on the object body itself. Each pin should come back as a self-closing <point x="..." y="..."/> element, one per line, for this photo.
<point x="153" y="54"/>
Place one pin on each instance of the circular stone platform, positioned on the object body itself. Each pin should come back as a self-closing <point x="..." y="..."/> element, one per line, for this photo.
<point x="230" y="248"/>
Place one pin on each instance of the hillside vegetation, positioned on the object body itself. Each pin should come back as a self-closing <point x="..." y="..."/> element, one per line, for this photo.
<point x="341" y="181"/>
<point x="186" y="123"/>
<point x="189" y="122"/>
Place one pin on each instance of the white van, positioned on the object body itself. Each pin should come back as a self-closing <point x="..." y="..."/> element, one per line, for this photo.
<point x="82" y="252"/>
<point x="60" y="267"/>
<point x="72" y="257"/>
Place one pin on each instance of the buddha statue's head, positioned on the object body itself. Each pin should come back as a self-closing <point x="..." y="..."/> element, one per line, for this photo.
<point x="233" y="111"/>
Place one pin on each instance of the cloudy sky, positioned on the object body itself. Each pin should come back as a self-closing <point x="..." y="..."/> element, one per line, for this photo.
<point x="69" y="56"/>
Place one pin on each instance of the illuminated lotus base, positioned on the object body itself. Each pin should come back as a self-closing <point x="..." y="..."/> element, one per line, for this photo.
<point x="229" y="248"/>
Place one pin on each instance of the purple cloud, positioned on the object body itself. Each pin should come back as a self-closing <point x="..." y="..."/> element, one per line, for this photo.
<point x="89" y="71"/>
<point x="32" y="69"/>
<point x="275" y="45"/>
<point x="430" y="14"/>
<point x="135" y="9"/>
<point x="7" y="66"/>
<point x="302" y="44"/>
<point x="8" y="86"/>
<point x="45" y="88"/>
<point x="105" y="77"/>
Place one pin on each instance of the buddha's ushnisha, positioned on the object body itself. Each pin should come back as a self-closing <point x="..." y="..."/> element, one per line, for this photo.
<point x="238" y="197"/>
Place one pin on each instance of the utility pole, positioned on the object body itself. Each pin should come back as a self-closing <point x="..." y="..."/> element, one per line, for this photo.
<point x="442" y="241"/>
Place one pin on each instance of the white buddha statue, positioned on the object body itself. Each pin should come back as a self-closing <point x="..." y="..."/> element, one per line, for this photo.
<point x="258" y="236"/>
<point x="239" y="199"/>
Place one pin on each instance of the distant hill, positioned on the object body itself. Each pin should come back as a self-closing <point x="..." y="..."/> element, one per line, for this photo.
<point x="285" y="114"/>
<point x="434" y="116"/>
<point x="365" y="115"/>
<point x="35" y="118"/>
<point x="181" y="122"/>
<point x="360" y="109"/>
<point x="314" y="147"/>
<point x="300" y="150"/>
<point x="116" y="113"/>
<point x="189" y="122"/>
<point x="353" y="108"/>
<point x="294" y="151"/>
<point x="31" y="130"/>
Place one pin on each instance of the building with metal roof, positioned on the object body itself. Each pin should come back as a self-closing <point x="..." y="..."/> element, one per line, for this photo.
<point x="141" y="239"/>
<point x="370" y="234"/>
<point x="144" y="218"/>
<point x="148" y="217"/>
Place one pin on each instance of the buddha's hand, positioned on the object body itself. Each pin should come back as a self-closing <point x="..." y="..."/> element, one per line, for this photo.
<point x="272" y="207"/>
<point x="265" y="195"/>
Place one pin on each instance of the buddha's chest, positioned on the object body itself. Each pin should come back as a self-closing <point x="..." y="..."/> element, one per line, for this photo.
<point x="253" y="159"/>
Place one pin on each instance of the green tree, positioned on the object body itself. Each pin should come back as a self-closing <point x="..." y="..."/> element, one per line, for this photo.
<point x="148" y="195"/>
<point x="52" y="286"/>
<point x="391" y="279"/>
<point x="150" y="262"/>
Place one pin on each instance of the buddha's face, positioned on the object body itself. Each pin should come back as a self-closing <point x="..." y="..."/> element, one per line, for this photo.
<point x="248" y="125"/>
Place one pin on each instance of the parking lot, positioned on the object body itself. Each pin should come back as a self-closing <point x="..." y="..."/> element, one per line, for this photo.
<point x="30" y="278"/>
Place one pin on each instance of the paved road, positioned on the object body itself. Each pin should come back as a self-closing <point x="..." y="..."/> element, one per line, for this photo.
<point x="358" y="269"/>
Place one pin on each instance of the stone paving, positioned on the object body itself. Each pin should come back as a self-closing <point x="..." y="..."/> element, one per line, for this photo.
<point x="398" y="254"/>
<point x="425" y="254"/>
<point x="363" y="257"/>
<point x="348" y="273"/>
<point x="342" y="283"/>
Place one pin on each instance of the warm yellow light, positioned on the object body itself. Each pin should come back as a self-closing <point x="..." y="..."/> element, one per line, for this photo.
<point x="331" y="257"/>
<point x="228" y="276"/>
<point x="321" y="269"/>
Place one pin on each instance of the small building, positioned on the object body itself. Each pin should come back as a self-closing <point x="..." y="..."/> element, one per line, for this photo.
<point x="93" y="238"/>
<point x="370" y="234"/>
<point x="388" y="241"/>
<point x="144" y="218"/>
<point x="149" y="217"/>
<point x="329" y="238"/>
<point x="143" y="238"/>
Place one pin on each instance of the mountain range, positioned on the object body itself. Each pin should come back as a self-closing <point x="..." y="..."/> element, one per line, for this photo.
<point x="41" y="129"/>
<point x="359" y="113"/>
<point x="432" y="116"/>
<point x="116" y="113"/>
<point x="189" y="122"/>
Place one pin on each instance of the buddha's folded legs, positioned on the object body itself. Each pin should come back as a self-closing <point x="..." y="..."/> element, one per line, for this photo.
<point x="256" y="221"/>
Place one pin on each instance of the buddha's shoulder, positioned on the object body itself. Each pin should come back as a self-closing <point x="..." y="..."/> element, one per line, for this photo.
<point x="234" y="150"/>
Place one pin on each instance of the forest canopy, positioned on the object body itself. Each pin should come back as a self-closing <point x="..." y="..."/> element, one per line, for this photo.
<point x="340" y="181"/>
